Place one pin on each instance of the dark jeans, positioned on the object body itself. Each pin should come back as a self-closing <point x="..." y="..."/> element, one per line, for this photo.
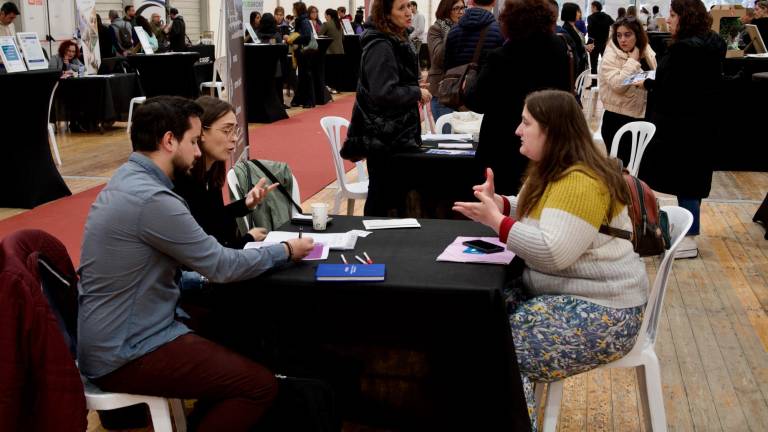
<point x="305" y="89"/>
<point x="593" y="56"/>
<point x="612" y="122"/>
<point x="386" y="192"/>
<point x="693" y="205"/>
<point x="233" y="392"/>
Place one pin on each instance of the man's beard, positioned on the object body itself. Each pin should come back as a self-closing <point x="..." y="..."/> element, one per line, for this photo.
<point x="180" y="169"/>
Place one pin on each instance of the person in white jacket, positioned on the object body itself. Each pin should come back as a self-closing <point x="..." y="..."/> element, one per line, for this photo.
<point x="627" y="53"/>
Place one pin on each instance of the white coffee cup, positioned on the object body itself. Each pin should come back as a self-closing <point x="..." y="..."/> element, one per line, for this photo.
<point x="319" y="216"/>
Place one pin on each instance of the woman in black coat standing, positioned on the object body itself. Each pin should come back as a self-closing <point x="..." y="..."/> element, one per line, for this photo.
<point x="305" y="93"/>
<point x="682" y="103"/>
<point x="504" y="82"/>
<point x="385" y="118"/>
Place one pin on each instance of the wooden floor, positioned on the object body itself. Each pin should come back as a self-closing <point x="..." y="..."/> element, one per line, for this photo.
<point x="714" y="330"/>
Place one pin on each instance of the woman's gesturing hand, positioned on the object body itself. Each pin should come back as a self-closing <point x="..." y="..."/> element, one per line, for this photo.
<point x="256" y="195"/>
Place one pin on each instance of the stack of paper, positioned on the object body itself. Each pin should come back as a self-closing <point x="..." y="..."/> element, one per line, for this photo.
<point x="446" y="137"/>
<point x="465" y="146"/>
<point x="374" y="224"/>
<point x="457" y="252"/>
<point x="335" y="241"/>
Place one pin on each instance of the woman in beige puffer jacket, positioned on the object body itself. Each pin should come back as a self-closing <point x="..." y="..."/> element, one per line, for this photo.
<point x="627" y="53"/>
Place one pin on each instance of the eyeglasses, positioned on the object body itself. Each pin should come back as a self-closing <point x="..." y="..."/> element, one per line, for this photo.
<point x="458" y="8"/>
<point x="231" y="131"/>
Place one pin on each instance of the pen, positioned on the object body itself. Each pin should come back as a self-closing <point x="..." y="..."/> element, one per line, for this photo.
<point x="301" y="231"/>
<point x="344" y="260"/>
<point x="360" y="259"/>
<point x="370" y="261"/>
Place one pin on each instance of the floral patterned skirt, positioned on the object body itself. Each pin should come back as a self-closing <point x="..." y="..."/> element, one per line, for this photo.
<point x="557" y="336"/>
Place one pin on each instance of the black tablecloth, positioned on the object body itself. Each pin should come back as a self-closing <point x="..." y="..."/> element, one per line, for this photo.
<point x="322" y="95"/>
<point x="436" y="181"/>
<point x="28" y="177"/>
<point x="261" y="90"/>
<point x="96" y="99"/>
<point x="203" y="72"/>
<point x="743" y="111"/>
<point x="428" y="349"/>
<point x="167" y="74"/>
<point x="207" y="52"/>
<point x="341" y="72"/>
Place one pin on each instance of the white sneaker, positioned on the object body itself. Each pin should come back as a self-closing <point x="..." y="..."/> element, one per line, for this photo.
<point x="687" y="248"/>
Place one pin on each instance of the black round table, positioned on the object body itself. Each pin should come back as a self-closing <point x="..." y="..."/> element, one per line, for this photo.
<point x="28" y="177"/>
<point x="261" y="98"/>
<point x="96" y="99"/>
<point x="170" y="74"/>
<point x="322" y="95"/>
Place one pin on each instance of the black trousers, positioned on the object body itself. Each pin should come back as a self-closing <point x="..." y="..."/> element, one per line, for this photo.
<point x="305" y="91"/>
<point x="612" y="122"/>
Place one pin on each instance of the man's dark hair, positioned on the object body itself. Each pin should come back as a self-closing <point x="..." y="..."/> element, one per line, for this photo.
<point x="127" y="8"/>
<point x="655" y="10"/>
<point x="484" y="2"/>
<point x="597" y="5"/>
<point x="173" y="11"/>
<point x="556" y="6"/>
<point x="9" y="8"/>
<point x="413" y="3"/>
<point x="341" y="9"/>
<point x="159" y="115"/>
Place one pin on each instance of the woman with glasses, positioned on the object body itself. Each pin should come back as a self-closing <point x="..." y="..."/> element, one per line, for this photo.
<point x="448" y="14"/>
<point x="202" y="187"/>
<point x="66" y="60"/>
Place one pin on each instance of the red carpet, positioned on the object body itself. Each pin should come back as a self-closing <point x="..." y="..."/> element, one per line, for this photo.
<point x="301" y="142"/>
<point x="298" y="141"/>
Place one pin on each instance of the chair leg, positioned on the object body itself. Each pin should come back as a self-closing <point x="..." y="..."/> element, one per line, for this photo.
<point x="161" y="415"/>
<point x="337" y="203"/>
<point x="179" y="418"/>
<point x="350" y="207"/>
<point x="54" y="144"/>
<point x="651" y="393"/>
<point x="552" y="410"/>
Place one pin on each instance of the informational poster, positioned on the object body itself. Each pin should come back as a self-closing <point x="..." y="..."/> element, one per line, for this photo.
<point x="146" y="8"/>
<point x="347" y="27"/>
<point x="250" y="31"/>
<point x="233" y="82"/>
<point x="144" y="40"/>
<point x="10" y="55"/>
<point x="89" y="35"/>
<point x="33" y="52"/>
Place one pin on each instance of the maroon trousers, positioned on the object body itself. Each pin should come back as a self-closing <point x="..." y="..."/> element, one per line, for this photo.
<point x="233" y="392"/>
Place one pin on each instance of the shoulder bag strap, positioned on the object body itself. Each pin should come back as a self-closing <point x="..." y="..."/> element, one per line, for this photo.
<point x="280" y="186"/>
<point x="479" y="47"/>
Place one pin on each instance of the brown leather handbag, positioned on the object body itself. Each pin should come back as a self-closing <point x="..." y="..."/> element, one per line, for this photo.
<point x="450" y="90"/>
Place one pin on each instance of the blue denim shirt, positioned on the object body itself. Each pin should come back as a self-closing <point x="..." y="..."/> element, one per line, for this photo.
<point x="138" y="234"/>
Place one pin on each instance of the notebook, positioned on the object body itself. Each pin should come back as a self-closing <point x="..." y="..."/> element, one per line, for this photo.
<point x="335" y="241"/>
<point x="350" y="272"/>
<point x="374" y="224"/>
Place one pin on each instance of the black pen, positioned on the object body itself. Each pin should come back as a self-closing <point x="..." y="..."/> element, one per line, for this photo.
<point x="301" y="231"/>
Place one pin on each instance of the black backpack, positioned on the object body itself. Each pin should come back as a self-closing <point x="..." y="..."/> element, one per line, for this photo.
<point x="124" y="35"/>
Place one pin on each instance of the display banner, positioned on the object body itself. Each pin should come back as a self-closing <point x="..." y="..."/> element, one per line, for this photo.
<point x="10" y="55"/>
<point x="148" y="7"/>
<point x="233" y="81"/>
<point x="251" y="6"/>
<point x="33" y="52"/>
<point x="89" y="35"/>
<point x="144" y="40"/>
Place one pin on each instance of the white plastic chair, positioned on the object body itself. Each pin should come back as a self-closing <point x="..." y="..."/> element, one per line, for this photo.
<point x="351" y="191"/>
<point x="51" y="132"/>
<point x="460" y="122"/>
<point x="587" y="93"/>
<point x="233" y="187"/>
<point x="642" y="132"/>
<point x="137" y="100"/>
<point x="98" y="400"/>
<point x="642" y="357"/>
<point x="218" y="69"/>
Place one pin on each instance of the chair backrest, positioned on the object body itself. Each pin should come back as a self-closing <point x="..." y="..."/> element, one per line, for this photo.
<point x="442" y="121"/>
<point x="680" y="221"/>
<point x="332" y="127"/>
<point x="50" y="101"/>
<point x="582" y="82"/>
<point x="428" y="120"/>
<point x="642" y="132"/>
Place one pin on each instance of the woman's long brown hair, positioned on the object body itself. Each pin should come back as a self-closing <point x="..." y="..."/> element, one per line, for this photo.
<point x="213" y="109"/>
<point x="568" y="142"/>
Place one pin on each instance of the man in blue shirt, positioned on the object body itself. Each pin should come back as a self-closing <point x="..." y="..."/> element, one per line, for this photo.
<point x="137" y="236"/>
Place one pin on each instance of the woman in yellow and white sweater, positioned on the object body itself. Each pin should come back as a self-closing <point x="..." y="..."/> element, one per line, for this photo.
<point x="583" y="293"/>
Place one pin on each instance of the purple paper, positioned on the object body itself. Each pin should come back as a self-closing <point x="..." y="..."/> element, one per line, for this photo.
<point x="316" y="254"/>
<point x="456" y="252"/>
